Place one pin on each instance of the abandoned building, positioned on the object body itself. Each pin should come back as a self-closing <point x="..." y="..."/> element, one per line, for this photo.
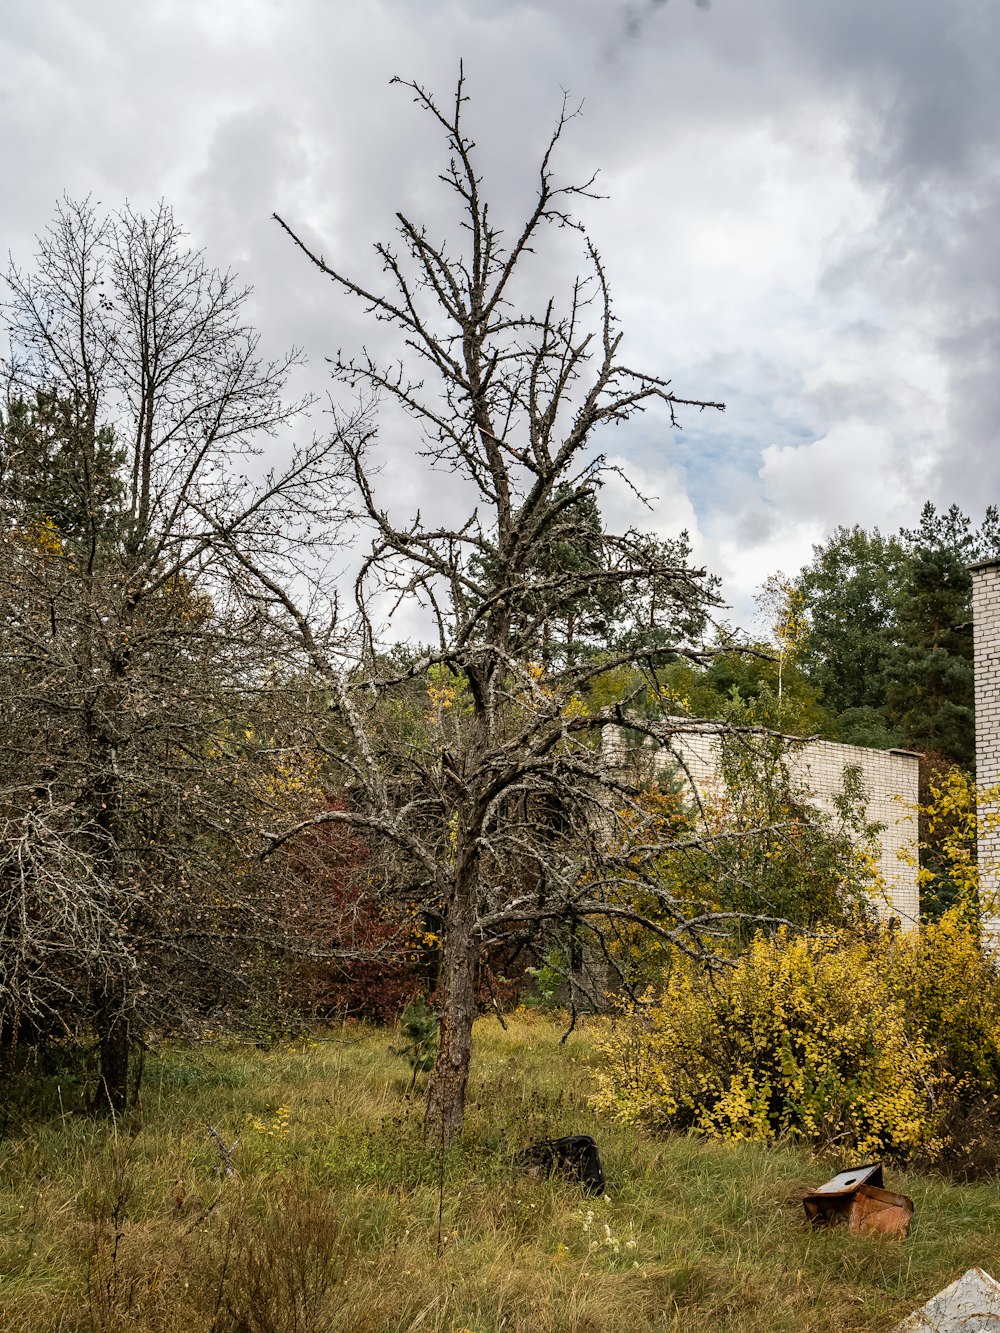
<point x="889" y="779"/>
<point x="986" y="628"/>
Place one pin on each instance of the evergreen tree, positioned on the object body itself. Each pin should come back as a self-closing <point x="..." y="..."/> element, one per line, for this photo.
<point x="889" y="644"/>
<point x="566" y="604"/>
<point x="929" y="697"/>
<point x="56" y="469"/>
<point x="579" y="600"/>
<point x="952" y="530"/>
<point x="850" y="589"/>
<point x="930" y="689"/>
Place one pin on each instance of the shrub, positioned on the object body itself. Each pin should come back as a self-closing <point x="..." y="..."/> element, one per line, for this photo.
<point x="951" y="993"/>
<point x="419" y="1026"/>
<point x="801" y="1038"/>
<point x="355" y="955"/>
<point x="755" y="846"/>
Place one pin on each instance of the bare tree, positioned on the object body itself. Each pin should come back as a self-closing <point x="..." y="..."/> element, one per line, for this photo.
<point x="133" y="769"/>
<point x="501" y="819"/>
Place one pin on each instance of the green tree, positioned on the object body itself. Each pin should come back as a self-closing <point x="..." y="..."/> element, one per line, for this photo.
<point x="567" y="604"/>
<point x="930" y="692"/>
<point x="737" y="682"/>
<point x="929" y="697"/>
<point x="850" y="591"/>
<point x="953" y="531"/>
<point x="55" y="470"/>
<point x="889" y="639"/>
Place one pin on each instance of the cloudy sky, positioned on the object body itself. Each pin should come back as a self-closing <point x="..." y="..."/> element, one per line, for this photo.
<point x="803" y="212"/>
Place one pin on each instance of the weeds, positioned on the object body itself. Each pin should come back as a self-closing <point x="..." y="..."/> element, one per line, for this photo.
<point x="287" y="1264"/>
<point x="418" y="1025"/>
<point x="338" y="1218"/>
<point x="112" y="1289"/>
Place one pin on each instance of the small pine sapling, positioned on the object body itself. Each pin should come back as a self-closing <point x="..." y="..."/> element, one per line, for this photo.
<point x="418" y="1024"/>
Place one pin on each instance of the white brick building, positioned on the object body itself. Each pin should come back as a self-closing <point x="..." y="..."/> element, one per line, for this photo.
<point x="986" y="623"/>
<point x="889" y="778"/>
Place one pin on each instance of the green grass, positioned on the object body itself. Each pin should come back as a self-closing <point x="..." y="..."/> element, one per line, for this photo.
<point x="341" y="1218"/>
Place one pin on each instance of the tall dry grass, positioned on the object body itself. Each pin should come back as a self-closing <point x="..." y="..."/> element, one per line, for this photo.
<point x="340" y="1217"/>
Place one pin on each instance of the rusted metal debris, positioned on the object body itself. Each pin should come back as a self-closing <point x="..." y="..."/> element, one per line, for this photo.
<point x="857" y="1198"/>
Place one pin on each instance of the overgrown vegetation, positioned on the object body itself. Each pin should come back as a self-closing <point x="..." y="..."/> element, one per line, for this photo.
<point x="141" y="746"/>
<point x="223" y="809"/>
<point x="871" y="1042"/>
<point x="340" y="1217"/>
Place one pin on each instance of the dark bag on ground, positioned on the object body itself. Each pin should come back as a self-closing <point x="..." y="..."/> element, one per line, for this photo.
<point x="575" y="1157"/>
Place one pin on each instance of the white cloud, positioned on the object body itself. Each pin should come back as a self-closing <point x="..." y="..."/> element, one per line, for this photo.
<point x="856" y="473"/>
<point x="649" y="500"/>
<point x="802" y="218"/>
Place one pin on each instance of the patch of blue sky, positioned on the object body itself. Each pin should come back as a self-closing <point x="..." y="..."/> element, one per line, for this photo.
<point x="717" y="458"/>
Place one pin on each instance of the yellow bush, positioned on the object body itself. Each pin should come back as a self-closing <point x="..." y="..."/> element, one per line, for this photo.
<point x="951" y="994"/>
<point x="801" y="1038"/>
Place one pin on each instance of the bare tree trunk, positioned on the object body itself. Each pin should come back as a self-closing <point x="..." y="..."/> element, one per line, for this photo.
<point x="114" y="1048"/>
<point x="111" y="1000"/>
<point x="446" y="1090"/>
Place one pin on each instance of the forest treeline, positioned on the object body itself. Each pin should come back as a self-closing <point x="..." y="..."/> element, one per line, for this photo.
<point x="871" y="641"/>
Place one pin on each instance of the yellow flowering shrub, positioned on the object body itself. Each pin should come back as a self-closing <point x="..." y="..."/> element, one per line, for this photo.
<point x="802" y="1038"/>
<point x="951" y="994"/>
<point x="953" y="814"/>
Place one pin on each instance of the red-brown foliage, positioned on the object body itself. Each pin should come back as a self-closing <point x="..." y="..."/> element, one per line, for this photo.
<point x="357" y="952"/>
<point x="353" y="953"/>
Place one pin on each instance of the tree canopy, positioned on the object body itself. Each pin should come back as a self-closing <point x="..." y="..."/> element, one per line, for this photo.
<point x="888" y="643"/>
<point x="130" y="669"/>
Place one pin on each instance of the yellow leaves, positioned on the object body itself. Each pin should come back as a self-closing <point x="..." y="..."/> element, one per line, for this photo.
<point x="791" y="625"/>
<point x="953" y="995"/>
<point x="277" y="1128"/>
<point x="442" y="695"/>
<point x="803" y="1038"/>
<point x="42" y="536"/>
<point x="446" y="692"/>
<point x="185" y="603"/>
<point x="672" y="702"/>
<point x="560" y="1254"/>
<point x="785" y="606"/>
<point x="452" y="849"/>
<point x="293" y="777"/>
<point x="954" y="815"/>
<point x="574" y="708"/>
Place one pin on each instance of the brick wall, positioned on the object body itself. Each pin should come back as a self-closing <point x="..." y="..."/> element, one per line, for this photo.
<point x="986" y="622"/>
<point x="889" y="778"/>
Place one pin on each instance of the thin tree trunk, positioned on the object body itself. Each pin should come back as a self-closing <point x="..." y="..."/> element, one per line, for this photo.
<point x="446" y="1090"/>
<point x="114" y="1048"/>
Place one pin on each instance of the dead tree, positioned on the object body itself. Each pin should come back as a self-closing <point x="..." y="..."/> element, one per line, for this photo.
<point x="499" y="813"/>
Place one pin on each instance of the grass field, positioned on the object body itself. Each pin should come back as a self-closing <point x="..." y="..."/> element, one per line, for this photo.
<point x="338" y="1217"/>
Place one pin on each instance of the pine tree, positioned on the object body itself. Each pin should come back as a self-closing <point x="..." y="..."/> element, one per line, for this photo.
<point x="58" y="469"/>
